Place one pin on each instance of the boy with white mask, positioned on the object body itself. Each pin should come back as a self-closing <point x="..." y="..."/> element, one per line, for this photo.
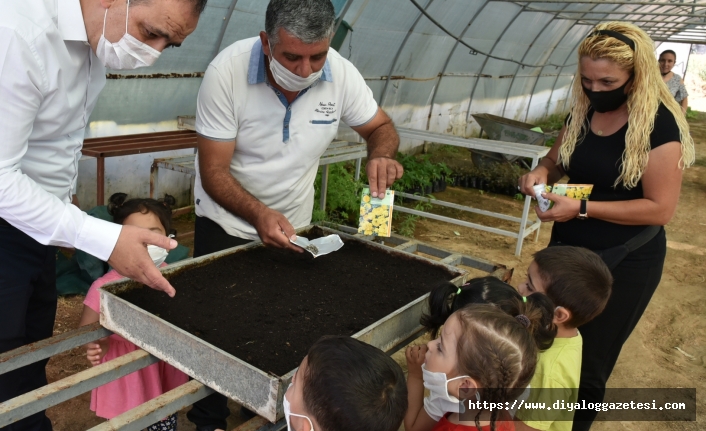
<point x="50" y="79"/>
<point x="345" y="385"/>
<point x="482" y="355"/>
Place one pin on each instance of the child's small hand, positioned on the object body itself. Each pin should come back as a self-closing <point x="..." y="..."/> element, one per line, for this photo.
<point x="415" y="355"/>
<point x="96" y="351"/>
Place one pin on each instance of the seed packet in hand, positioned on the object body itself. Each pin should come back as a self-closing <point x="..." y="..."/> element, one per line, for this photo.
<point x="573" y="191"/>
<point x="319" y="246"/>
<point x="543" y="203"/>
<point x="376" y="214"/>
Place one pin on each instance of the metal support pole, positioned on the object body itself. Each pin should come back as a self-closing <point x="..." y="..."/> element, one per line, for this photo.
<point x="49" y="347"/>
<point x="525" y="215"/>
<point x="154" y="174"/>
<point x="52" y="394"/>
<point x="324" y="187"/>
<point x="341" y="15"/>
<point x="224" y="26"/>
<point x="358" y="163"/>
<point x="157" y="409"/>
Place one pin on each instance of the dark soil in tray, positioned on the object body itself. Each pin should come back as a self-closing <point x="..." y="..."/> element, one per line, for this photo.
<point x="268" y="307"/>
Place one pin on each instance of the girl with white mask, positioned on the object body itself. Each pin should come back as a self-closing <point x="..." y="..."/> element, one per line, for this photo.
<point x="482" y="355"/>
<point x="126" y="393"/>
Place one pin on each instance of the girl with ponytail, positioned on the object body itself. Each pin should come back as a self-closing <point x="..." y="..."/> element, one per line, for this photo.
<point x="446" y="298"/>
<point x="483" y="355"/>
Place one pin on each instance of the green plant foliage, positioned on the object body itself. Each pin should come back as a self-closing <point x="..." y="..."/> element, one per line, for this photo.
<point x="409" y="223"/>
<point x="552" y="122"/>
<point x="342" y="197"/>
<point x="690" y="114"/>
<point x="189" y="217"/>
<point x="420" y="172"/>
<point x="407" y="226"/>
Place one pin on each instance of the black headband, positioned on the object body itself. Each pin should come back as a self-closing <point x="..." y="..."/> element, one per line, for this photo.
<point x="629" y="42"/>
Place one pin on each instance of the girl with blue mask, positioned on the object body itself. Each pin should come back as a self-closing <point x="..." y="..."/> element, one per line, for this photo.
<point x="482" y="354"/>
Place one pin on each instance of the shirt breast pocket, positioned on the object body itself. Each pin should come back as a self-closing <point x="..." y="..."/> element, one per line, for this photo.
<point x="326" y="122"/>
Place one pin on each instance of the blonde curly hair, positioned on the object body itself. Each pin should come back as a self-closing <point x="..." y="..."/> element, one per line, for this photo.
<point x="648" y="91"/>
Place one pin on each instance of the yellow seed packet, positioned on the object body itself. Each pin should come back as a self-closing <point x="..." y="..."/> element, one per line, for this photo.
<point x="376" y="214"/>
<point x="573" y="191"/>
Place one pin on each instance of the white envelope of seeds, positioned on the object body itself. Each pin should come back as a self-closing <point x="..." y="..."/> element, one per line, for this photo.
<point x="319" y="246"/>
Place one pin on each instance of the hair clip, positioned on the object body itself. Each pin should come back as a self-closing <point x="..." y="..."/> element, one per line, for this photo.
<point x="458" y="292"/>
<point x="524" y="299"/>
<point x="523" y="319"/>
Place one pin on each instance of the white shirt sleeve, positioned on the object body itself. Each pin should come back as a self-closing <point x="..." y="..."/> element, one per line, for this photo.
<point x="215" y="110"/>
<point x="23" y="203"/>
<point x="359" y="105"/>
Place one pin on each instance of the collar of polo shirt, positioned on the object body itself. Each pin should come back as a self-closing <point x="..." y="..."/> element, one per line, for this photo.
<point x="257" y="71"/>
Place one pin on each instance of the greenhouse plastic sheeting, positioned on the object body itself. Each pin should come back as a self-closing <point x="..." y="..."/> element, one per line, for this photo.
<point x="409" y="54"/>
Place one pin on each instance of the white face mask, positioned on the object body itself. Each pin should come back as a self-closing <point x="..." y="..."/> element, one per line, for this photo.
<point x="127" y="53"/>
<point x="288" y="413"/>
<point x="439" y="402"/>
<point x="288" y="80"/>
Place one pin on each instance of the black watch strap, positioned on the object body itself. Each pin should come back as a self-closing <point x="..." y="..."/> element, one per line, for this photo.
<point x="583" y="215"/>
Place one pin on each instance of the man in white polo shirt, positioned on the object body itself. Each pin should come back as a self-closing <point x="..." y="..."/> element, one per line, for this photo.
<point x="267" y="110"/>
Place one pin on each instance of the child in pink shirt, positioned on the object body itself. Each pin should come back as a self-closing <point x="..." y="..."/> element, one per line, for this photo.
<point x="119" y="396"/>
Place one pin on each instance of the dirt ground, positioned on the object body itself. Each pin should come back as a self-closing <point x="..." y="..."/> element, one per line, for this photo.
<point x="667" y="349"/>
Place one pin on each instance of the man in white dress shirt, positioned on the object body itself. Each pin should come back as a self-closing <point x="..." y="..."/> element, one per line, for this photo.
<point x="53" y="55"/>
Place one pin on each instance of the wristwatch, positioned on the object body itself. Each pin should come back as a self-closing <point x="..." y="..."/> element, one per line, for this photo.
<point x="583" y="215"/>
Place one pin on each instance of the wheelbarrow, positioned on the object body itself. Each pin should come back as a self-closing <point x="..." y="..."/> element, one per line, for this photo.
<point x="506" y="130"/>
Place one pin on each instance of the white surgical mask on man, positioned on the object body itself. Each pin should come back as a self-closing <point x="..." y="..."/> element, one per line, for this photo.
<point x="439" y="402"/>
<point x="288" y="80"/>
<point x="288" y="412"/>
<point x="128" y="52"/>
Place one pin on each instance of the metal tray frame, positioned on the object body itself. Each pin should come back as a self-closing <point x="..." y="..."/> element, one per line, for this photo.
<point x="257" y="390"/>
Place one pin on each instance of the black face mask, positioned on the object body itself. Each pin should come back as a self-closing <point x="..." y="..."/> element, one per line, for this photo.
<point x="606" y="101"/>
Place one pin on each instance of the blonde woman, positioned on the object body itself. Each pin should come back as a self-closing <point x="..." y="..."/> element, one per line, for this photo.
<point x="627" y="136"/>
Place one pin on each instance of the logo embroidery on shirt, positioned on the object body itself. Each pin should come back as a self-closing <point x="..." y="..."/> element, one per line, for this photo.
<point x="326" y="108"/>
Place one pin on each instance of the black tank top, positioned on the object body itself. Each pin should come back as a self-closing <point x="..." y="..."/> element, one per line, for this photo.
<point x="597" y="160"/>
